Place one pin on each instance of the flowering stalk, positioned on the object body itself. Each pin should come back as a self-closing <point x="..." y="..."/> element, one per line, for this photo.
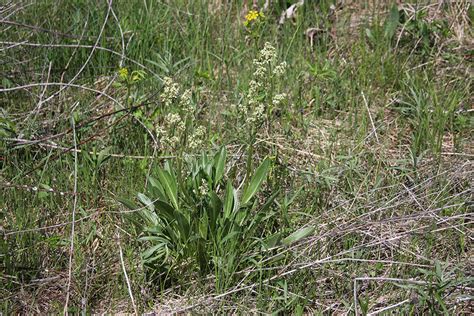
<point x="177" y="130"/>
<point x="260" y="99"/>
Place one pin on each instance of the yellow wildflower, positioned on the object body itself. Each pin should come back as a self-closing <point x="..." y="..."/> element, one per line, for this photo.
<point x="252" y="16"/>
<point x="123" y="73"/>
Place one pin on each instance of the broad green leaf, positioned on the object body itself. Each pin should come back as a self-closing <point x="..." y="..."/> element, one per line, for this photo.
<point x="392" y="22"/>
<point x="203" y="226"/>
<point x="298" y="235"/>
<point x="216" y="202"/>
<point x="236" y="207"/>
<point x="129" y="204"/>
<point x="214" y="209"/>
<point x="146" y="201"/>
<point x="156" y="229"/>
<point x="220" y="164"/>
<point x="201" y="256"/>
<point x="150" y="251"/>
<point x="228" y="200"/>
<point x="257" y="179"/>
<point x="157" y="188"/>
<point x="150" y="217"/>
<point x="165" y="210"/>
<point x="183" y="226"/>
<point x="241" y="216"/>
<point x="272" y="241"/>
<point x="169" y="185"/>
<point x="148" y="214"/>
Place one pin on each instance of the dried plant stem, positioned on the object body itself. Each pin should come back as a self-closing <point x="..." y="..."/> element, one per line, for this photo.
<point x="73" y="222"/>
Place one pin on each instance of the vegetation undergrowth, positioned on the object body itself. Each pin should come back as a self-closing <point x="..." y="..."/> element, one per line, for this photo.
<point x="207" y="157"/>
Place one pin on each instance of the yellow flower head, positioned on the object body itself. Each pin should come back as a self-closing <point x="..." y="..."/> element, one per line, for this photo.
<point x="252" y="16"/>
<point x="123" y="73"/>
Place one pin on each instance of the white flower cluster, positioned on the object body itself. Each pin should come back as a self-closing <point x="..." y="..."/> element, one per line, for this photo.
<point x="175" y="126"/>
<point x="172" y="118"/>
<point x="268" y="53"/>
<point x="277" y="99"/>
<point x="164" y="132"/>
<point x="186" y="101"/>
<point x="264" y="61"/>
<point x="257" y="115"/>
<point x="203" y="188"/>
<point x="265" y="68"/>
<point x="196" y="139"/>
<point x="254" y="112"/>
<point x="280" y="69"/>
<point x="252" y="95"/>
<point x="170" y="91"/>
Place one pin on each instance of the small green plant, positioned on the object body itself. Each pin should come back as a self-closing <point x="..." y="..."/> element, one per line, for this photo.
<point x="440" y="283"/>
<point x="130" y="80"/>
<point x="202" y="222"/>
<point x="96" y="161"/>
<point x="388" y="30"/>
<point x="7" y="126"/>
<point x="418" y="29"/>
<point x="254" y="23"/>
<point x="364" y="305"/>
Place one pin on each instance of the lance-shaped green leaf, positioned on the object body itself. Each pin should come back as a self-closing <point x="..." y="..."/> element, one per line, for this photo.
<point x="149" y="212"/>
<point x="170" y="186"/>
<point x="146" y="201"/>
<point x="228" y="200"/>
<point x="219" y="163"/>
<point x="298" y="235"/>
<point x="164" y="210"/>
<point x="392" y="23"/>
<point x="157" y="189"/>
<point x="257" y="180"/>
<point x="128" y="203"/>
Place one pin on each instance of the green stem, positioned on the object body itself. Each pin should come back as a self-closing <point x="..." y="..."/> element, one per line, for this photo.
<point x="250" y="154"/>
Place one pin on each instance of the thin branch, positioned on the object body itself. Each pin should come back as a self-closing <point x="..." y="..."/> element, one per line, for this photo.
<point x="126" y="275"/>
<point x="370" y="117"/>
